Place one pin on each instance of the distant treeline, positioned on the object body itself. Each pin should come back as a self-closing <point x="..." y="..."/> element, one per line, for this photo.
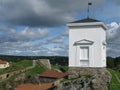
<point x="113" y="63"/>
<point x="59" y="60"/>
<point x="55" y="60"/>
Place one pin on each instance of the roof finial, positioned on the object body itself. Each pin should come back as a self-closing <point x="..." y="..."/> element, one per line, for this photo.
<point x="89" y="3"/>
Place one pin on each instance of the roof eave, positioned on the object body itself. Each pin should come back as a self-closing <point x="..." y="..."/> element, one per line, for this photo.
<point x="88" y="24"/>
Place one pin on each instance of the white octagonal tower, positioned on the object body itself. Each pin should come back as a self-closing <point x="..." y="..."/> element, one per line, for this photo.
<point x="87" y="43"/>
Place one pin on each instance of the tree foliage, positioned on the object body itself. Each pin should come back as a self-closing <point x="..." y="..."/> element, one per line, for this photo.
<point x="113" y="63"/>
<point x="60" y="60"/>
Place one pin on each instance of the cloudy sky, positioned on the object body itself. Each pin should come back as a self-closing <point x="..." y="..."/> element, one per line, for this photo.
<point x="38" y="27"/>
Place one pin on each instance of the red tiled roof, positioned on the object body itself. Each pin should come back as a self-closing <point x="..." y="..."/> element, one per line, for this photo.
<point x="30" y="86"/>
<point x="52" y="74"/>
<point x="2" y="62"/>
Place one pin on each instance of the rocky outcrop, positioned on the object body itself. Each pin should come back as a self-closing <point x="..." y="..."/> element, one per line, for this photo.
<point x="45" y="63"/>
<point x="46" y="80"/>
<point x="99" y="77"/>
<point x="73" y="84"/>
<point x="85" y="79"/>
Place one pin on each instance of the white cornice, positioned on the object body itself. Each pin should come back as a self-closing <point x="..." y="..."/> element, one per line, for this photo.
<point x="88" y="24"/>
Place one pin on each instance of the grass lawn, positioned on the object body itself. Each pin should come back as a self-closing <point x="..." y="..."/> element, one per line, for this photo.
<point x="35" y="70"/>
<point x="23" y="64"/>
<point x="16" y="66"/>
<point x="65" y="68"/>
<point x="115" y="82"/>
<point x="118" y="74"/>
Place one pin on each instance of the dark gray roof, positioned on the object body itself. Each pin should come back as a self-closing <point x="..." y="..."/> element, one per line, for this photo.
<point x="86" y="20"/>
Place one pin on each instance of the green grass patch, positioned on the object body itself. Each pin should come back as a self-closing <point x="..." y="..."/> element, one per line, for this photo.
<point x="23" y="64"/>
<point x="118" y="74"/>
<point x="63" y="68"/>
<point x="3" y="85"/>
<point x="16" y="66"/>
<point x="35" y="70"/>
<point x="115" y="82"/>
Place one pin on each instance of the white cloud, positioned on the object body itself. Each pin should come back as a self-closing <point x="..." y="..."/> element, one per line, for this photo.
<point x="50" y="13"/>
<point x="30" y="49"/>
<point x="113" y="32"/>
<point x="30" y="33"/>
<point x="30" y="41"/>
<point x="27" y="34"/>
<point x="42" y="12"/>
<point x="58" y="39"/>
<point x="66" y="32"/>
<point x="113" y="39"/>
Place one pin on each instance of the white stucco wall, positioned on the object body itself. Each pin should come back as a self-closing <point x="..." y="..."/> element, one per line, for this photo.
<point x="97" y="53"/>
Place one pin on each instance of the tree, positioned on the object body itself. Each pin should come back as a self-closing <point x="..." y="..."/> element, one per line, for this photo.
<point x="110" y="62"/>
